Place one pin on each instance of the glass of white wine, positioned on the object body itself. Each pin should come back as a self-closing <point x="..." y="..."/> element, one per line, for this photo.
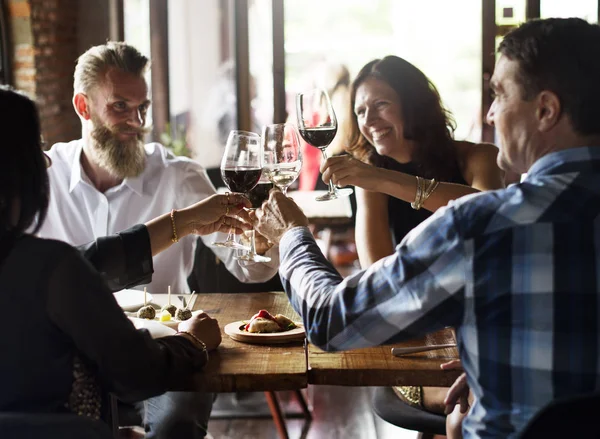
<point x="282" y="156"/>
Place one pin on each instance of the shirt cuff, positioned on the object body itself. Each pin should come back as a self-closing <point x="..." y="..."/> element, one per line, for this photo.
<point x="292" y="237"/>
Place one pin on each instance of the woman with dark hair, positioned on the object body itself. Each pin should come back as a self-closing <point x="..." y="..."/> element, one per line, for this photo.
<point x="75" y="343"/>
<point x="405" y="164"/>
<point x="404" y="155"/>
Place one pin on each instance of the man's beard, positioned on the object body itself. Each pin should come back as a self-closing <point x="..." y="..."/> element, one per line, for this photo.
<point x="121" y="158"/>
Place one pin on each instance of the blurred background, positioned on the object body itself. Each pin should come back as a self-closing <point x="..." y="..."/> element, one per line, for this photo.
<point x="220" y="64"/>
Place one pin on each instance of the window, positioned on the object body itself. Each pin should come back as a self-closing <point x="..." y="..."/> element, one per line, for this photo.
<point x="136" y="20"/>
<point x="443" y="39"/>
<point x="4" y="46"/>
<point x="586" y="9"/>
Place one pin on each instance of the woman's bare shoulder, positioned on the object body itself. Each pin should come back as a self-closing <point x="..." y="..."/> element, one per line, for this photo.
<point x="473" y="155"/>
<point x="478" y="165"/>
<point x="468" y="151"/>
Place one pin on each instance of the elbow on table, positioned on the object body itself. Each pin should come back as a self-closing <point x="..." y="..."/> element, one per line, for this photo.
<point x="321" y="342"/>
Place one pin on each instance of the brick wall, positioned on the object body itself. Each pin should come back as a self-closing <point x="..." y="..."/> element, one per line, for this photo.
<point x="23" y="65"/>
<point x="45" y="47"/>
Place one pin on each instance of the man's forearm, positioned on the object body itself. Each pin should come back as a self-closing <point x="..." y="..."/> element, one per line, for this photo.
<point x="394" y="300"/>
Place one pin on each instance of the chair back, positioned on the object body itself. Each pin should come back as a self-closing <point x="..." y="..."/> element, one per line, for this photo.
<point x="391" y="409"/>
<point x="210" y="275"/>
<point x="566" y="417"/>
<point x="51" y="426"/>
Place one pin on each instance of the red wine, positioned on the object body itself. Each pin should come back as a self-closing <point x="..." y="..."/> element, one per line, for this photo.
<point x="240" y="180"/>
<point x="320" y="137"/>
<point x="259" y="194"/>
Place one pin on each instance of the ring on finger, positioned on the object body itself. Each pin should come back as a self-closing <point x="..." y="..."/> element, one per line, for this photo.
<point x="227" y="195"/>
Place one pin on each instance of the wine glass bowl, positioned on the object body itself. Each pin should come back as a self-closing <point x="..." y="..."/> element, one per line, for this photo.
<point x="282" y="155"/>
<point x="317" y="125"/>
<point x="241" y="179"/>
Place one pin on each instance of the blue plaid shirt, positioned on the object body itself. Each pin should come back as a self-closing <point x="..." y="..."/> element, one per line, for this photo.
<point x="515" y="271"/>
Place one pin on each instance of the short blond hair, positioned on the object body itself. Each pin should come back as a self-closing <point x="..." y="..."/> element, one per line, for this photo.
<point x="96" y="61"/>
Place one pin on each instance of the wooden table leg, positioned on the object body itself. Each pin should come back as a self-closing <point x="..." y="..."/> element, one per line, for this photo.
<point x="277" y="414"/>
<point x="300" y="397"/>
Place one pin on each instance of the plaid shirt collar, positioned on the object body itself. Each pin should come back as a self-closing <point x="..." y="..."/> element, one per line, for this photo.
<point x="567" y="160"/>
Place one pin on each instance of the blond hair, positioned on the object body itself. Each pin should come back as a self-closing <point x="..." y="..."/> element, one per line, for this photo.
<point x="97" y="60"/>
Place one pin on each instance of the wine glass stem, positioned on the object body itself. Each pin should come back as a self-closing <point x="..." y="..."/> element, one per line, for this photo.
<point x="284" y="190"/>
<point x="252" y="243"/>
<point x="230" y="236"/>
<point x="331" y="188"/>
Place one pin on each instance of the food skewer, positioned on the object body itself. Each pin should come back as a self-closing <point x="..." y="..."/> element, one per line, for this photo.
<point x="185" y="312"/>
<point x="146" y="311"/>
<point x="190" y="299"/>
<point x="172" y="309"/>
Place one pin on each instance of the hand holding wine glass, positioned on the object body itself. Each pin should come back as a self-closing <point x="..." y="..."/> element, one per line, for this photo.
<point x="317" y="125"/>
<point x="257" y="195"/>
<point x="241" y="170"/>
<point x="282" y="156"/>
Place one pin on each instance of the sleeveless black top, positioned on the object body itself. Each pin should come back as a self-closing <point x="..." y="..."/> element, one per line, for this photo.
<point x="402" y="217"/>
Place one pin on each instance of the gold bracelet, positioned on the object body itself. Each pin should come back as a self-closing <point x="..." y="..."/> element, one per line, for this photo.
<point x="174" y="238"/>
<point x="418" y="195"/>
<point x="424" y="189"/>
<point x="196" y="339"/>
<point x="432" y="186"/>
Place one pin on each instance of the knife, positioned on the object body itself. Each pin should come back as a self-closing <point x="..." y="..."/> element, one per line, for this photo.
<point x="396" y="352"/>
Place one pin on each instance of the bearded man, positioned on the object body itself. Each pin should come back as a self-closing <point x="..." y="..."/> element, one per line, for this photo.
<point x="108" y="181"/>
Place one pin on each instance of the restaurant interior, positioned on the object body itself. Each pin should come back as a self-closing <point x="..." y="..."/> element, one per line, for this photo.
<point x="220" y="65"/>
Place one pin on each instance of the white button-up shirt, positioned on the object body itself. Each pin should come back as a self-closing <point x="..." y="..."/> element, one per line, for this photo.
<point x="78" y="213"/>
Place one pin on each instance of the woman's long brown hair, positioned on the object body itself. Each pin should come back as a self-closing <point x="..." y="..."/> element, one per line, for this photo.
<point x="426" y="121"/>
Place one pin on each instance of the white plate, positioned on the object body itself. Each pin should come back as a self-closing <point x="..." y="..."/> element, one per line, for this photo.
<point x="173" y="324"/>
<point x="155" y="328"/>
<point x="131" y="300"/>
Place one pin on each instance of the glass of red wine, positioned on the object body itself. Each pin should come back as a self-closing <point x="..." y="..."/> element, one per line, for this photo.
<point x="317" y="125"/>
<point x="257" y="195"/>
<point x="241" y="168"/>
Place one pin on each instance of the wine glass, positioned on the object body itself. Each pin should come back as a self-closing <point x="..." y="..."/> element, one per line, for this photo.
<point x="282" y="156"/>
<point x="241" y="170"/>
<point x="257" y="196"/>
<point x="317" y="125"/>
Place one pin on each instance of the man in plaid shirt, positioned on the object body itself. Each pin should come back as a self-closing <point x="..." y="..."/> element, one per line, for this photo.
<point x="515" y="271"/>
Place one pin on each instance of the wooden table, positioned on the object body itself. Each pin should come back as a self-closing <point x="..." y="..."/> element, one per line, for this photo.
<point x="378" y="367"/>
<point x="239" y="366"/>
<point x="236" y="366"/>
